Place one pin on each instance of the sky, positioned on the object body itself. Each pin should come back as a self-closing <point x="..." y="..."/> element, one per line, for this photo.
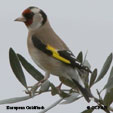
<point x="84" y="25"/>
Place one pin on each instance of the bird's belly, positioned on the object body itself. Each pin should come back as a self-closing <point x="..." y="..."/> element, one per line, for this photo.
<point x="47" y="63"/>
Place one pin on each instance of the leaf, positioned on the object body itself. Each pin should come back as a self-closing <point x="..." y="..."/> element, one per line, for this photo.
<point x="45" y="86"/>
<point x="80" y="57"/>
<point x="63" y="94"/>
<point x="111" y="74"/>
<point x="67" y="82"/>
<point x="16" y="67"/>
<point x="93" y="77"/>
<point x="51" y="106"/>
<point x="73" y="97"/>
<point x="30" y="69"/>
<point x="86" y="63"/>
<point x="14" y="100"/>
<point x="105" y="67"/>
<point x="54" y="90"/>
<point x="109" y="84"/>
<point x="108" y="99"/>
<point x="85" y="74"/>
<point x="88" y="111"/>
<point x="85" y="77"/>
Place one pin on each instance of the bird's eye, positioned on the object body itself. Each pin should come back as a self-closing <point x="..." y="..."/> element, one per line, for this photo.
<point x="29" y="15"/>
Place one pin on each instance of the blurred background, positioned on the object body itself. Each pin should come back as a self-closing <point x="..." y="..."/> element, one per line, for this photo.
<point x="84" y="25"/>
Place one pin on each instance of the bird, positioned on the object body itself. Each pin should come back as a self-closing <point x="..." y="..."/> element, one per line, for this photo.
<point x="49" y="51"/>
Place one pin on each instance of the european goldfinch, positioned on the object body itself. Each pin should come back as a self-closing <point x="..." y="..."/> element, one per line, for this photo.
<point x="49" y="52"/>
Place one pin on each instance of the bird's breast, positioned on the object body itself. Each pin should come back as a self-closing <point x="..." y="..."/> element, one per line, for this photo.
<point x="44" y="61"/>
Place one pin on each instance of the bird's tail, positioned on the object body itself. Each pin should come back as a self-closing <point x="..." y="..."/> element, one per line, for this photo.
<point x="87" y="94"/>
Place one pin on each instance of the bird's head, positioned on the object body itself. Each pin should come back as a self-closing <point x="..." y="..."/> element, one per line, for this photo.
<point x="33" y="18"/>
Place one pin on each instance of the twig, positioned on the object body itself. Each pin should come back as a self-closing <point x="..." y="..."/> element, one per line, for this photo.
<point x="85" y="57"/>
<point x="68" y="90"/>
<point x="100" y="102"/>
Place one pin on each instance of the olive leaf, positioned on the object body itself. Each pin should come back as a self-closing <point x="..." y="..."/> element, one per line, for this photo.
<point x="88" y="111"/>
<point x="30" y="69"/>
<point x="80" y="57"/>
<point x="16" y="67"/>
<point x="105" y="68"/>
<point x="63" y="94"/>
<point x="16" y="60"/>
<point x="109" y="84"/>
<point x="14" y="100"/>
<point x="86" y="63"/>
<point x="108" y="99"/>
<point x="54" y="90"/>
<point x="72" y="98"/>
<point x="93" y="77"/>
<point x="51" y="106"/>
<point x="67" y="82"/>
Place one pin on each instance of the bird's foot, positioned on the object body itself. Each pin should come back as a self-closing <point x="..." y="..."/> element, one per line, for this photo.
<point x="59" y="87"/>
<point x="33" y="88"/>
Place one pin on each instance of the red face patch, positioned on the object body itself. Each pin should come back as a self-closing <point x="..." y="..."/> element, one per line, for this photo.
<point x="28" y="16"/>
<point x="26" y="11"/>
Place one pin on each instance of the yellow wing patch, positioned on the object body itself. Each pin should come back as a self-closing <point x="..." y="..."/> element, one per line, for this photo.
<point x="56" y="54"/>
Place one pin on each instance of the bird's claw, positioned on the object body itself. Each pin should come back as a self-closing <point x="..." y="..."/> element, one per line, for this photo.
<point x="33" y="88"/>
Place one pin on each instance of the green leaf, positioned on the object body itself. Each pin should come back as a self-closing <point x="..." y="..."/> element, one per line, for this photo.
<point x="109" y="84"/>
<point x="108" y="99"/>
<point x="63" y="94"/>
<point x="14" y="100"/>
<point x="54" y="90"/>
<point x="93" y="77"/>
<point x="80" y="57"/>
<point x="111" y="74"/>
<point x="67" y="82"/>
<point x="30" y="69"/>
<point x="72" y="98"/>
<point x="16" y="67"/>
<point x="88" y="111"/>
<point x="105" y="68"/>
<point x="86" y="63"/>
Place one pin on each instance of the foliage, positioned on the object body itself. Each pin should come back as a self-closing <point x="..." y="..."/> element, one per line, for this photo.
<point x="18" y="62"/>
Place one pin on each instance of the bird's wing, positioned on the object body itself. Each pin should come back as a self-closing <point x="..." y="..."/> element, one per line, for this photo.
<point x="64" y="56"/>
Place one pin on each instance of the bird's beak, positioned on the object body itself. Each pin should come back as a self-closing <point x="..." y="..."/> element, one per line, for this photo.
<point x="20" y="19"/>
